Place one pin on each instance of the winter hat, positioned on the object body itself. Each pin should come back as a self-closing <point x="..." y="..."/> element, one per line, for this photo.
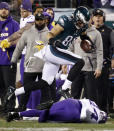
<point x="45" y="10"/>
<point x="98" y="12"/>
<point x="47" y="15"/>
<point x="27" y="5"/>
<point x="39" y="16"/>
<point x="4" y="5"/>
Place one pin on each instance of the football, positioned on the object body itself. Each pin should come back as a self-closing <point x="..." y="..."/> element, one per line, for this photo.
<point x="86" y="46"/>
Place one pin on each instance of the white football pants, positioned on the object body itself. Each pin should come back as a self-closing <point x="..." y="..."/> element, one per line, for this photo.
<point x="54" y="57"/>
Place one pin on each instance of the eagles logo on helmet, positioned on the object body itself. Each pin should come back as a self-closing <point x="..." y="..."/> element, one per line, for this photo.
<point x="81" y="14"/>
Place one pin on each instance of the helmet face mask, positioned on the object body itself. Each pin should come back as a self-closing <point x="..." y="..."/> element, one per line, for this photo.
<point x="103" y="117"/>
<point x="79" y="23"/>
<point x="81" y="17"/>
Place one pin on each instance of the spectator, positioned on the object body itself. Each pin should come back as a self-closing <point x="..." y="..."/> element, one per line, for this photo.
<point x="33" y="66"/>
<point x="108" y="46"/>
<point x="107" y="3"/>
<point x="14" y="9"/>
<point x="92" y="68"/>
<point x="48" y="20"/>
<point x="50" y="11"/>
<point x="38" y="9"/>
<point x="7" y="27"/>
<point x="13" y="39"/>
<point x="26" y="17"/>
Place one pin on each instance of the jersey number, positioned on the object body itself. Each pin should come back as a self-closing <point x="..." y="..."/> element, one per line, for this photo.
<point x="94" y="115"/>
<point x="67" y="40"/>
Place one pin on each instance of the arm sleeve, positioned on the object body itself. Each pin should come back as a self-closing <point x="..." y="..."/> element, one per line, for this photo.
<point x="20" y="46"/>
<point x="15" y="29"/>
<point x="15" y="36"/>
<point x="99" y="51"/>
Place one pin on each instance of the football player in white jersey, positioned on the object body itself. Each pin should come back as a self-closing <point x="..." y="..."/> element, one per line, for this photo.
<point x="26" y="14"/>
<point x="68" y="110"/>
<point x="26" y="17"/>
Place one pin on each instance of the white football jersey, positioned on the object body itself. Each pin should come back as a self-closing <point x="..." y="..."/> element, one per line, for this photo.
<point x="24" y="21"/>
<point x="91" y="113"/>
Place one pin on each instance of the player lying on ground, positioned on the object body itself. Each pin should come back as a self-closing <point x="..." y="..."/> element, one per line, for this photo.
<point x="68" y="110"/>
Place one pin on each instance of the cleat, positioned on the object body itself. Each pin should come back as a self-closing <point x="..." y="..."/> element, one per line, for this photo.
<point x="9" y="94"/>
<point x="45" y="105"/>
<point x="64" y="93"/>
<point x="12" y="116"/>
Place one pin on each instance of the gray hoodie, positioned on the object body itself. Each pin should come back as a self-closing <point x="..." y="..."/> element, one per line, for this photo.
<point x="30" y="39"/>
<point x="92" y="60"/>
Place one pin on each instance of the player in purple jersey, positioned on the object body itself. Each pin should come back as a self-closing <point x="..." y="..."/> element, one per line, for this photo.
<point x="68" y="110"/>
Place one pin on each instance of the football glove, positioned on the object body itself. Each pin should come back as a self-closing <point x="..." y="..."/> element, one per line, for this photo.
<point x="5" y="44"/>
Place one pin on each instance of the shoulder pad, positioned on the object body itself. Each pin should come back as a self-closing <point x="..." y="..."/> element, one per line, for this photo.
<point x="63" y="21"/>
<point x="30" y="19"/>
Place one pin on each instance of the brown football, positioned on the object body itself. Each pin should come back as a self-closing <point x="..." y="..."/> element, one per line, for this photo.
<point x="86" y="45"/>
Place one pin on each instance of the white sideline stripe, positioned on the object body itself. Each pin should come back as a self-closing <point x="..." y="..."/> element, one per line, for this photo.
<point x="48" y="129"/>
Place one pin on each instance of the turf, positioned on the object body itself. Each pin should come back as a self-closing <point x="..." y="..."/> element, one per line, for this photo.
<point x="25" y="125"/>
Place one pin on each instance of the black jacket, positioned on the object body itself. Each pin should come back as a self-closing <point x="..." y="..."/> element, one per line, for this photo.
<point x="107" y="41"/>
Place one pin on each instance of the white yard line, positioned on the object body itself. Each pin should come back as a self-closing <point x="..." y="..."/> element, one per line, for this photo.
<point x="48" y="129"/>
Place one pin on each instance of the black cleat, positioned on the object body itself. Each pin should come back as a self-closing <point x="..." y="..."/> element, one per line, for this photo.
<point x="45" y="105"/>
<point x="9" y="94"/>
<point x="12" y="116"/>
<point x="64" y="93"/>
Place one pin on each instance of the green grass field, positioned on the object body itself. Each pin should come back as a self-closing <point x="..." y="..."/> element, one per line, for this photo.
<point x="35" y="126"/>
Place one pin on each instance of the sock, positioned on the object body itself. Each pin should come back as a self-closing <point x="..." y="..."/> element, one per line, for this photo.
<point x="19" y="91"/>
<point x="66" y="84"/>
